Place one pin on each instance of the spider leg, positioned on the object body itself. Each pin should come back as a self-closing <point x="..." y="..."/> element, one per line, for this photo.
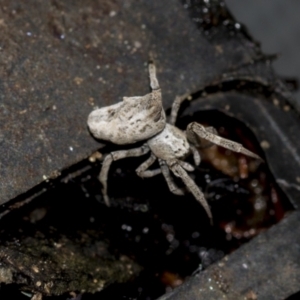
<point x="196" y="155"/>
<point x="199" y="141"/>
<point x="152" y="74"/>
<point x="203" y="144"/>
<point x="191" y="185"/>
<point x="188" y="167"/>
<point x="175" y="107"/>
<point x="142" y="169"/>
<point x="170" y="182"/>
<point x="194" y="129"/>
<point x="113" y="156"/>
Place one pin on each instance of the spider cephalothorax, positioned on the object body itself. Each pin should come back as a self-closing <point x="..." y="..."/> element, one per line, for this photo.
<point x="143" y="118"/>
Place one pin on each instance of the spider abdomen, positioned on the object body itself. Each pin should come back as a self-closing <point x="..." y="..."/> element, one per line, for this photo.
<point x="127" y="122"/>
<point x="170" y="143"/>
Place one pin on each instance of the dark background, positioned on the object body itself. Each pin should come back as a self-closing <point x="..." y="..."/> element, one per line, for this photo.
<point x="276" y="25"/>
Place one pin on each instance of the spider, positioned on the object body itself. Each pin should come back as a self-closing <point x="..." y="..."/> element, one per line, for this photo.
<point x="143" y="119"/>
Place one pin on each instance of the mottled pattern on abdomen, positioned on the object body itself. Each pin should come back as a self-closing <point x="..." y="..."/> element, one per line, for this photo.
<point x="132" y="120"/>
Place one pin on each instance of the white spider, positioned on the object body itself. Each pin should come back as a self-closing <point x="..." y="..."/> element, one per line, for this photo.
<point x="143" y="118"/>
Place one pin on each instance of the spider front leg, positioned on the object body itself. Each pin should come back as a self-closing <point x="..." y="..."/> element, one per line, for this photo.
<point x="191" y="185"/>
<point x="196" y="155"/>
<point x="142" y="169"/>
<point x="170" y="182"/>
<point x="194" y="130"/>
<point x="113" y="156"/>
<point x="200" y="142"/>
